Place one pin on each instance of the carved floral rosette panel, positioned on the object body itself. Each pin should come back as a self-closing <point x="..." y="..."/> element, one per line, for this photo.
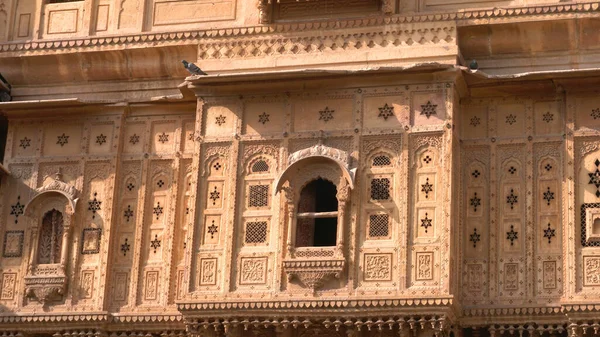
<point x="475" y="211"/>
<point x="214" y="204"/>
<point x="257" y="213"/>
<point x="381" y="194"/>
<point x="426" y="230"/>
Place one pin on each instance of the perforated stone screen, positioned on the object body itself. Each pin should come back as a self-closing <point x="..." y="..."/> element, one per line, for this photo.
<point x="379" y="225"/>
<point x="259" y="196"/>
<point x="256" y="232"/>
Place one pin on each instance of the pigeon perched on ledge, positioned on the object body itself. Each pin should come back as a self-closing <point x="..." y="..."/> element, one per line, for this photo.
<point x="192" y="68"/>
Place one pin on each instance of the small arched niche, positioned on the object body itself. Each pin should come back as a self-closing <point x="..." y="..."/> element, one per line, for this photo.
<point x="316" y="187"/>
<point x="49" y="217"/>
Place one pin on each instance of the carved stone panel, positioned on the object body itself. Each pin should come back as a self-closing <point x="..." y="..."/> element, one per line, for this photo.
<point x="253" y="270"/>
<point x="377" y="267"/>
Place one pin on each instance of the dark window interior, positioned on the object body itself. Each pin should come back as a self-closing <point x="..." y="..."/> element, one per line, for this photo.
<point x="314" y="229"/>
<point x="3" y="135"/>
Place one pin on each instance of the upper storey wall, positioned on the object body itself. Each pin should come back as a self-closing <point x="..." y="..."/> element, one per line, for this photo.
<point x="40" y="20"/>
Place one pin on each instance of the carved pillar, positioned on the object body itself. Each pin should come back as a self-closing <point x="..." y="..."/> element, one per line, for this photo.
<point x="33" y="250"/>
<point x="65" y="246"/>
<point x="264" y="11"/>
<point x="291" y="235"/>
<point x="342" y="197"/>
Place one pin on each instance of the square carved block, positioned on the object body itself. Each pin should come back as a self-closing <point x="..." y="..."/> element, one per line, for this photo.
<point x="424" y="266"/>
<point x="208" y="271"/>
<point x="253" y="270"/>
<point x="591" y="270"/>
<point x="592" y="225"/>
<point x="13" y="243"/>
<point x="90" y="240"/>
<point x="378" y="267"/>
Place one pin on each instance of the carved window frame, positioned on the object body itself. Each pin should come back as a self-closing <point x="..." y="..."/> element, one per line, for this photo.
<point x="375" y="207"/>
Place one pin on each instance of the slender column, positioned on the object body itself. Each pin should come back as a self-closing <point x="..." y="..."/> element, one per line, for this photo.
<point x="341" y="233"/>
<point x="64" y="247"/>
<point x="291" y="235"/>
<point x="33" y="250"/>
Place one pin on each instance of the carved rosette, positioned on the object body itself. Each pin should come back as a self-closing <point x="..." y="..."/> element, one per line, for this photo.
<point x="313" y="273"/>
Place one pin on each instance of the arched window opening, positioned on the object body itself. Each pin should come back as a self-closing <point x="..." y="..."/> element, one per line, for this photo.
<point x="317" y="215"/>
<point x="260" y="167"/>
<point x="382" y="160"/>
<point x="50" y="242"/>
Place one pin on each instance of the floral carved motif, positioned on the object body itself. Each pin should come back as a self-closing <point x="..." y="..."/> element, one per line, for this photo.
<point x="424" y="268"/>
<point x="253" y="270"/>
<point x="208" y="271"/>
<point x="151" y="288"/>
<point x="9" y="281"/>
<point x="591" y="270"/>
<point x="378" y="267"/>
<point x="511" y="276"/>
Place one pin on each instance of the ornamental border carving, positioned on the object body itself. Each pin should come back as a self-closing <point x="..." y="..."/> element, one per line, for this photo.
<point x="196" y="36"/>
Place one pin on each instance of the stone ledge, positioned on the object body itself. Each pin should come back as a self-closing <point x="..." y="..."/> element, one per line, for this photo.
<point x="193" y="37"/>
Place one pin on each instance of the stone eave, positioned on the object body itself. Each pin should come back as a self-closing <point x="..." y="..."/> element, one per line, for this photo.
<point x="480" y="83"/>
<point x="254" y="76"/>
<point x="316" y="307"/>
<point x="52" y="103"/>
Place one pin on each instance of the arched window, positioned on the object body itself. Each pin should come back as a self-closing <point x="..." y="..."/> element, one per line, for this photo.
<point x="50" y="242"/>
<point x="317" y="215"/>
<point x="260" y="166"/>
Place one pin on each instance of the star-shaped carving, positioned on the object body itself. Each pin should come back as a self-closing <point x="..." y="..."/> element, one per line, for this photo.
<point x="25" y="143"/>
<point x="130" y="186"/>
<point x="326" y="115"/>
<point x="548" y="196"/>
<point x="214" y="196"/>
<point x="263" y="118"/>
<point x="475" y="201"/>
<point x="94" y="205"/>
<point x="212" y="229"/>
<point x="426" y="222"/>
<point x="427" y="159"/>
<point x="158" y="210"/>
<point x="511" y="119"/>
<point x="512" y="235"/>
<point x="595" y="178"/>
<point x="125" y="247"/>
<point x="160" y="183"/>
<point x="549" y="233"/>
<point x="62" y="140"/>
<point x="386" y="111"/>
<point x="548" y="167"/>
<point x="548" y="117"/>
<point x="475" y="121"/>
<point x="17" y="209"/>
<point x="163" y="138"/>
<point x="475" y="237"/>
<point x="512" y="170"/>
<point x="428" y="109"/>
<point x="101" y="139"/>
<point x="426" y="188"/>
<point x="128" y="213"/>
<point x="476" y="174"/>
<point x="155" y="243"/>
<point x="134" y="139"/>
<point x="220" y="120"/>
<point x="595" y="113"/>
<point x="217" y="166"/>
<point x="511" y="199"/>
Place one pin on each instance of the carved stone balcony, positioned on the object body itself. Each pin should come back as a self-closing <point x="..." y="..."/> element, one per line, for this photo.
<point x="46" y="282"/>
<point x="314" y="265"/>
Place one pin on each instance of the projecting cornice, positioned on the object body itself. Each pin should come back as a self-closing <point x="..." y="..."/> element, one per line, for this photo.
<point x="560" y="11"/>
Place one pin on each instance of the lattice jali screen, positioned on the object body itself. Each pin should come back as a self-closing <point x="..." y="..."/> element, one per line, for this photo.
<point x="259" y="196"/>
<point x="382" y="161"/>
<point x="379" y="225"/>
<point x="256" y="232"/>
<point x="260" y="166"/>
<point x="380" y="189"/>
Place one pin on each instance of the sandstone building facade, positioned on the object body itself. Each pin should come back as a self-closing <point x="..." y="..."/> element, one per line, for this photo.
<point x="345" y="169"/>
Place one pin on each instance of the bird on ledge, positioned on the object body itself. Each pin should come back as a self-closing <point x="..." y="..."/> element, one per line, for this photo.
<point x="192" y="68"/>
